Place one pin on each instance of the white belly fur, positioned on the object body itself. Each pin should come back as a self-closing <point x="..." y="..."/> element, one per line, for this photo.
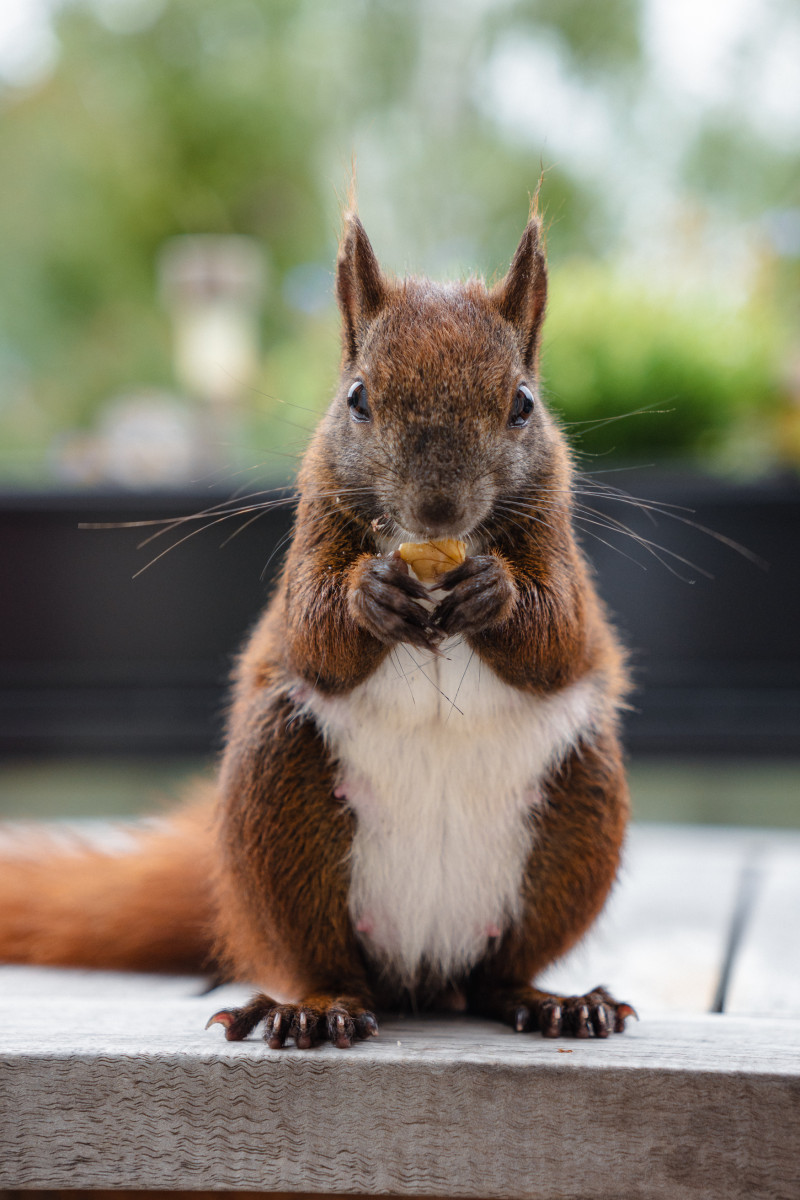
<point x="442" y="762"/>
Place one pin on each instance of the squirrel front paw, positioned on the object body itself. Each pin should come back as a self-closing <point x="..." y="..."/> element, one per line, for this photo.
<point x="383" y="599"/>
<point x="481" y="593"/>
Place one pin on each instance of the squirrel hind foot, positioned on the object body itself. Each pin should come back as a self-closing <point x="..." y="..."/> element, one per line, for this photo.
<point x="526" y="1009"/>
<point x="338" y="1020"/>
<point x="595" y="1014"/>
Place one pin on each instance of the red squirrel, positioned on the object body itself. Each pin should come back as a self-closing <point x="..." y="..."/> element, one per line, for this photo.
<point x="422" y="797"/>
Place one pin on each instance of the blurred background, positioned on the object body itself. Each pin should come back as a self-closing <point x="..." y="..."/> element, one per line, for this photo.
<point x="173" y="173"/>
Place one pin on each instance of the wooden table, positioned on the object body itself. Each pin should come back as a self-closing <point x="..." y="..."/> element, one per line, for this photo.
<point x="109" y="1081"/>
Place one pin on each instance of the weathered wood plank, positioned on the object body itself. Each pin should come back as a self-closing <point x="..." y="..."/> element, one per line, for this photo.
<point x="765" y="976"/>
<point x="129" y="1091"/>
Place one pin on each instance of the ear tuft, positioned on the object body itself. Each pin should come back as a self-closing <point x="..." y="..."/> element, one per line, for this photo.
<point x="521" y="296"/>
<point x="361" y="288"/>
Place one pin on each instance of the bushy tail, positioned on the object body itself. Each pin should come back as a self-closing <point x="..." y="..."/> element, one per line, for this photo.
<point x="145" y="906"/>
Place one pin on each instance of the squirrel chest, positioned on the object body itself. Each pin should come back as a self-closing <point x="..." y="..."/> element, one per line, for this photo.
<point x="441" y="762"/>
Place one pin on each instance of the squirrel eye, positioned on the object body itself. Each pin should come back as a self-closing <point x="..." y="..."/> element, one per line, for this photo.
<point x="357" y="401"/>
<point x="522" y="407"/>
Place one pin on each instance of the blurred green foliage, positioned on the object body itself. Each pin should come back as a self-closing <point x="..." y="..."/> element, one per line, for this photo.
<point x="660" y="375"/>
<point x="135" y="138"/>
<point x="600" y="38"/>
<point x="239" y="116"/>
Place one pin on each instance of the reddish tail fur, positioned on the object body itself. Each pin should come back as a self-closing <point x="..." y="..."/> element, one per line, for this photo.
<point x="147" y="908"/>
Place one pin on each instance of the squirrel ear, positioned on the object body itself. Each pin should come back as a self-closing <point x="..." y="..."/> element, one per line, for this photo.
<point x="360" y="286"/>
<point x="520" y="297"/>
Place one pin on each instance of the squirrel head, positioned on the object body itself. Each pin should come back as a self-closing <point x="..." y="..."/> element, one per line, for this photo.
<point x="438" y="417"/>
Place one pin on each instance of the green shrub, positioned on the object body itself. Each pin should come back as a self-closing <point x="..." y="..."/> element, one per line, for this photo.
<point x="708" y="375"/>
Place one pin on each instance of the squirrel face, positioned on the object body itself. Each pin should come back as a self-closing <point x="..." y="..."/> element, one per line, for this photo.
<point x="438" y="416"/>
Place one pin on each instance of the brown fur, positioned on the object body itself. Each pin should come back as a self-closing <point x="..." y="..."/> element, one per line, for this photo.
<point x="440" y="367"/>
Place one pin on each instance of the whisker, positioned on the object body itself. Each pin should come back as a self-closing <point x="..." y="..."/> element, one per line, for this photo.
<point x="180" y="542"/>
<point x="616" y="470"/>
<point x="593" y="423"/>
<point x="241" y="528"/>
<point x="281" y="543"/>
<point x="236" y="500"/>
<point x="393" y="658"/>
<point x="600" y="490"/>
<point x="263" y="506"/>
<point x="430" y="681"/>
<point x="461" y="680"/>
<point x="260" y="510"/>
<point x="653" y="548"/>
<point x="688" y="521"/>
<point x="605" y="521"/>
<point x="287" y="403"/>
<point x="528" y="514"/>
<point x="611" y="546"/>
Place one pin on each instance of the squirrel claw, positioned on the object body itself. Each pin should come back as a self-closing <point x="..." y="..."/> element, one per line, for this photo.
<point x="623" y="1011"/>
<point x="223" y="1017"/>
<point x="342" y="1040"/>
<point x="238" y="1022"/>
<point x="550" y="1020"/>
<point x="582" y="1029"/>
<point x="366" y="1025"/>
<point x="303" y="1032"/>
<point x="275" y="1032"/>
<point x="600" y="1023"/>
<point x="341" y="1029"/>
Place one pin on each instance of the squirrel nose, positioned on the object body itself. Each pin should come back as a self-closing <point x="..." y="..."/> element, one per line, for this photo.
<point x="437" y="511"/>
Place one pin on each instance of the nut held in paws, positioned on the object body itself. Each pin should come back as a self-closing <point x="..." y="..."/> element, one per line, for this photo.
<point x="429" y="560"/>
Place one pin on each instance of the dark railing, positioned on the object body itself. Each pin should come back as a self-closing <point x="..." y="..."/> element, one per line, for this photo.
<point x="93" y="660"/>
